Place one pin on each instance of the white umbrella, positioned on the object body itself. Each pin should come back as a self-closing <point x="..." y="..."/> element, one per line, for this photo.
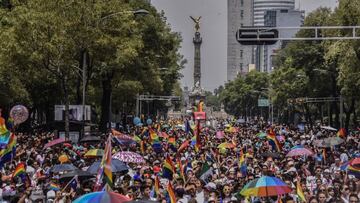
<point x="328" y="128"/>
<point x="129" y="157"/>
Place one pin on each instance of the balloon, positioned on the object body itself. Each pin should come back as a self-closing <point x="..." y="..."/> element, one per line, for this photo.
<point x="137" y="120"/>
<point x="19" y="114"/>
<point x="63" y="158"/>
<point x="149" y="121"/>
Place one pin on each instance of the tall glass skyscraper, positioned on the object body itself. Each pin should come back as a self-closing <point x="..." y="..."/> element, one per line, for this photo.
<point x="261" y="6"/>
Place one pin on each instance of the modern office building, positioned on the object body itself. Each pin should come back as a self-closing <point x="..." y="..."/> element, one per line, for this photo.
<point x="240" y="13"/>
<point x="261" y="6"/>
<point x="281" y="18"/>
<point x="260" y="9"/>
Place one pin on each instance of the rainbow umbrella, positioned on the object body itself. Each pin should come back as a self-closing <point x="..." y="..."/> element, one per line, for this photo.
<point x="103" y="197"/>
<point x="92" y="153"/>
<point x="299" y="151"/>
<point x="226" y="145"/>
<point x="265" y="186"/>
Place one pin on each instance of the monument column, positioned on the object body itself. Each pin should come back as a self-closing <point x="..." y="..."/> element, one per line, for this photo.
<point x="197" y="40"/>
<point x="197" y="93"/>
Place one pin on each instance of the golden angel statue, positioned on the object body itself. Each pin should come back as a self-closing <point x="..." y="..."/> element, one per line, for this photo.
<point x="197" y="23"/>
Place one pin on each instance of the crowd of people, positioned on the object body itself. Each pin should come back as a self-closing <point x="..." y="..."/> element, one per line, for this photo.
<point x="203" y="171"/>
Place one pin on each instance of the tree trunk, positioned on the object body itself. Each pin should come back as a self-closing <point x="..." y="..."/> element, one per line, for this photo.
<point x="67" y="103"/>
<point x="355" y="122"/>
<point x="348" y="113"/>
<point x="105" y="103"/>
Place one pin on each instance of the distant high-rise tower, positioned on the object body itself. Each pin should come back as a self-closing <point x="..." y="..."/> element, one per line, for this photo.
<point x="261" y="6"/>
<point x="240" y="13"/>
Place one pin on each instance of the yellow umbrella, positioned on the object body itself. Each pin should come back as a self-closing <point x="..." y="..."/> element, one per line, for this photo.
<point x="92" y="153"/>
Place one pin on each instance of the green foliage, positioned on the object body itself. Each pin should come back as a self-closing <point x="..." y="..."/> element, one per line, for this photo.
<point x="44" y="43"/>
<point x="242" y="94"/>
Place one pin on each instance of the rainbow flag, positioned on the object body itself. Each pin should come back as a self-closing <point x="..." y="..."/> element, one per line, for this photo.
<point x="171" y="193"/>
<point x="157" y="186"/>
<point x="19" y="171"/>
<point x="183" y="146"/>
<point x="54" y="186"/>
<point x="9" y="152"/>
<point x="271" y="136"/>
<point x="168" y="168"/>
<point x="352" y="170"/>
<point x="341" y="133"/>
<point x="181" y="169"/>
<point x="153" y="136"/>
<point x="105" y="167"/>
<point x="242" y="164"/>
<point x="3" y="128"/>
<point x="4" y="133"/>
<point x="299" y="191"/>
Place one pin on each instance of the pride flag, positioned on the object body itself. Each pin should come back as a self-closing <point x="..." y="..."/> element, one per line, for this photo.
<point x="171" y="193"/>
<point x="299" y="191"/>
<point x="242" y="164"/>
<point x="183" y="146"/>
<point x="19" y="171"/>
<point x="105" y="167"/>
<point x="157" y="186"/>
<point x="168" y="168"/>
<point x="271" y="136"/>
<point x="9" y="152"/>
<point x="153" y="136"/>
<point x="54" y="186"/>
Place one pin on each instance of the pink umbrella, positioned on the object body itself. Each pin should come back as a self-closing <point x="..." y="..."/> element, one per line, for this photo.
<point x="300" y="151"/>
<point x="54" y="142"/>
<point x="220" y="134"/>
<point x="129" y="157"/>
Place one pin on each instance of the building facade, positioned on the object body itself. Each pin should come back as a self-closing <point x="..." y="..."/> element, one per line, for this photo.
<point x="281" y="18"/>
<point x="260" y="8"/>
<point x="240" y="13"/>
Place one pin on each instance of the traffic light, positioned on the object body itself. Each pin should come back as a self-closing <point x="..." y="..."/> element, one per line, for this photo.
<point x="257" y="36"/>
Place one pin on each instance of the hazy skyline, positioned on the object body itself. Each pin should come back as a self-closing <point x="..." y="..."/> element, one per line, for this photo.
<point x="213" y="29"/>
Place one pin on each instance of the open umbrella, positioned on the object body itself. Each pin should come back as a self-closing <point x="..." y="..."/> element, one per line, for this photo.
<point x="226" y="145"/>
<point x="129" y="157"/>
<point x="90" y="138"/>
<point x="299" y="151"/>
<point x="265" y="186"/>
<point x="103" y="197"/>
<point x="92" y="153"/>
<point x="62" y="167"/>
<point x="116" y="166"/>
<point x="141" y="201"/>
<point x="328" y="128"/>
<point x="81" y="174"/>
<point x="332" y="141"/>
